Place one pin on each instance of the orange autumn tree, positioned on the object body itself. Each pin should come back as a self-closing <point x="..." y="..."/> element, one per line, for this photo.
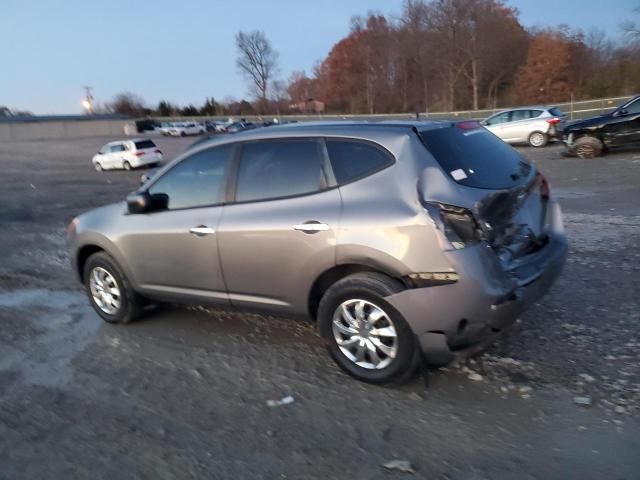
<point x="546" y="76"/>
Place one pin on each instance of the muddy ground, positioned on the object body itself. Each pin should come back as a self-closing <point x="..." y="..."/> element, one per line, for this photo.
<point x="183" y="393"/>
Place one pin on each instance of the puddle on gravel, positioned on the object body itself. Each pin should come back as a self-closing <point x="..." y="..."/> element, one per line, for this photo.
<point x="43" y="298"/>
<point x="66" y="325"/>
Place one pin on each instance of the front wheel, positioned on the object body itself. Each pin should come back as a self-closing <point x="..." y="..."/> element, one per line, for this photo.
<point x="98" y="167"/>
<point x="109" y="292"/>
<point x="588" y="147"/>
<point x="538" y="139"/>
<point x="364" y="334"/>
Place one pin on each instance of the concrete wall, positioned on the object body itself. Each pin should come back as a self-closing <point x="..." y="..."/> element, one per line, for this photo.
<point x="57" y="129"/>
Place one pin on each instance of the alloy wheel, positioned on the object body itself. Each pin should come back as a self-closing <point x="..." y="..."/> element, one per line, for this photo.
<point x="365" y="334"/>
<point x="536" y="139"/>
<point x="105" y="290"/>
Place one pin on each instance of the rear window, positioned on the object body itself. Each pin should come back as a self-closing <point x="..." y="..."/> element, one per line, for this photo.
<point x="556" y="112"/>
<point x="352" y="160"/>
<point x="473" y="156"/>
<point x="142" y="144"/>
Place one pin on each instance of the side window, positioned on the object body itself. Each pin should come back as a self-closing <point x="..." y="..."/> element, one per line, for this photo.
<point x="633" y="108"/>
<point x="517" y="115"/>
<point x="536" y="113"/>
<point x="501" y="118"/>
<point x="116" y="148"/>
<point x="351" y="160"/>
<point x="278" y="168"/>
<point x="196" y="181"/>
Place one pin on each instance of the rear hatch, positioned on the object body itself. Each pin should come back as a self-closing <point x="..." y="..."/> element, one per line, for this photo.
<point x="146" y="147"/>
<point x="502" y="198"/>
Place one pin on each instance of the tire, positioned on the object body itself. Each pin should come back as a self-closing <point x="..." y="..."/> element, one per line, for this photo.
<point x="538" y="139"/>
<point x="588" y="147"/>
<point x="368" y="289"/>
<point x="183" y="134"/>
<point x="129" y="302"/>
<point x="126" y="165"/>
<point x="98" y="167"/>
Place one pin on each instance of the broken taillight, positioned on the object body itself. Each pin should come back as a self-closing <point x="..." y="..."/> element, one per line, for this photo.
<point x="458" y="224"/>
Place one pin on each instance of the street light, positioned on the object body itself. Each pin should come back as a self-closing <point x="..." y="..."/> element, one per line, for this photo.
<point x="87" y="103"/>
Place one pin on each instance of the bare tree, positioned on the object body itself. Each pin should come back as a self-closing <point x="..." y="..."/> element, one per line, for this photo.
<point x="128" y="103"/>
<point x="257" y="61"/>
<point x="631" y="29"/>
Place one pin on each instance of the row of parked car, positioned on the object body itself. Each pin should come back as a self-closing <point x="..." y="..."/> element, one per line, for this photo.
<point x="183" y="129"/>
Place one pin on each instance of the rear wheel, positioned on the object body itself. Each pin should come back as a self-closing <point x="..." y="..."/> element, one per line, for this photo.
<point x="364" y="334"/>
<point x="109" y="292"/>
<point x="538" y="139"/>
<point x="126" y="165"/>
<point x="588" y="147"/>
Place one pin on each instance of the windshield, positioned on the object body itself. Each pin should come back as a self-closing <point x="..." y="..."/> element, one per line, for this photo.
<point x="475" y="157"/>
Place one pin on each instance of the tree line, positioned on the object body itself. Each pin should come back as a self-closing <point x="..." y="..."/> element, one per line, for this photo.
<point x="433" y="55"/>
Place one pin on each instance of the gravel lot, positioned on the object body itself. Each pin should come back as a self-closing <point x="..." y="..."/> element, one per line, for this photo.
<point x="184" y="392"/>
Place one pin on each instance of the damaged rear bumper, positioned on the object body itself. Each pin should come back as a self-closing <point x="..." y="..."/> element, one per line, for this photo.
<point x="487" y="299"/>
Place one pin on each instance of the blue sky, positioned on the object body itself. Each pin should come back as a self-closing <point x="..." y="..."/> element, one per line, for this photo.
<point x="185" y="51"/>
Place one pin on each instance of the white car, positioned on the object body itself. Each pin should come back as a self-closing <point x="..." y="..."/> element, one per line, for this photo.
<point x="164" y="128"/>
<point x="184" y="129"/>
<point x="127" y="154"/>
<point x="533" y="125"/>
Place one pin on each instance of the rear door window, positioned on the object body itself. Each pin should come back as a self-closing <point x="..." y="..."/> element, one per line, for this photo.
<point x="517" y="115"/>
<point x="473" y="156"/>
<point x="272" y="169"/>
<point x="351" y="160"/>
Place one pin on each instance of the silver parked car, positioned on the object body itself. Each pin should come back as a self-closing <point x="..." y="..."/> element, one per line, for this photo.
<point x="403" y="241"/>
<point x="532" y="125"/>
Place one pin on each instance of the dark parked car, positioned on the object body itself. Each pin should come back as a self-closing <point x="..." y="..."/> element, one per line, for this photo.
<point x="593" y="136"/>
<point x="401" y="241"/>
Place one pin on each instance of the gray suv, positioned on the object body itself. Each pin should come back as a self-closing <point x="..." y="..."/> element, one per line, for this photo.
<point x="403" y="241"/>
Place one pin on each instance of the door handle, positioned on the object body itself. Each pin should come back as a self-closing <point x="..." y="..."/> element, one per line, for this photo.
<point x="311" y="227"/>
<point x="201" y="231"/>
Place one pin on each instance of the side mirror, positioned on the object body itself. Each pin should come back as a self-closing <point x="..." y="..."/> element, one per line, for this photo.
<point x="142" y="202"/>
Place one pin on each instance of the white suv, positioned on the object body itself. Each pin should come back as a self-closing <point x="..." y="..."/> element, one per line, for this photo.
<point x="127" y="154"/>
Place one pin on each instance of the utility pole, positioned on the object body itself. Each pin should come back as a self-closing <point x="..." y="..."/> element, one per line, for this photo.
<point x="87" y="103"/>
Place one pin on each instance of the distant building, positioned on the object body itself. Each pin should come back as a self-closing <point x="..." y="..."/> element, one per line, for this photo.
<point x="309" y="106"/>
